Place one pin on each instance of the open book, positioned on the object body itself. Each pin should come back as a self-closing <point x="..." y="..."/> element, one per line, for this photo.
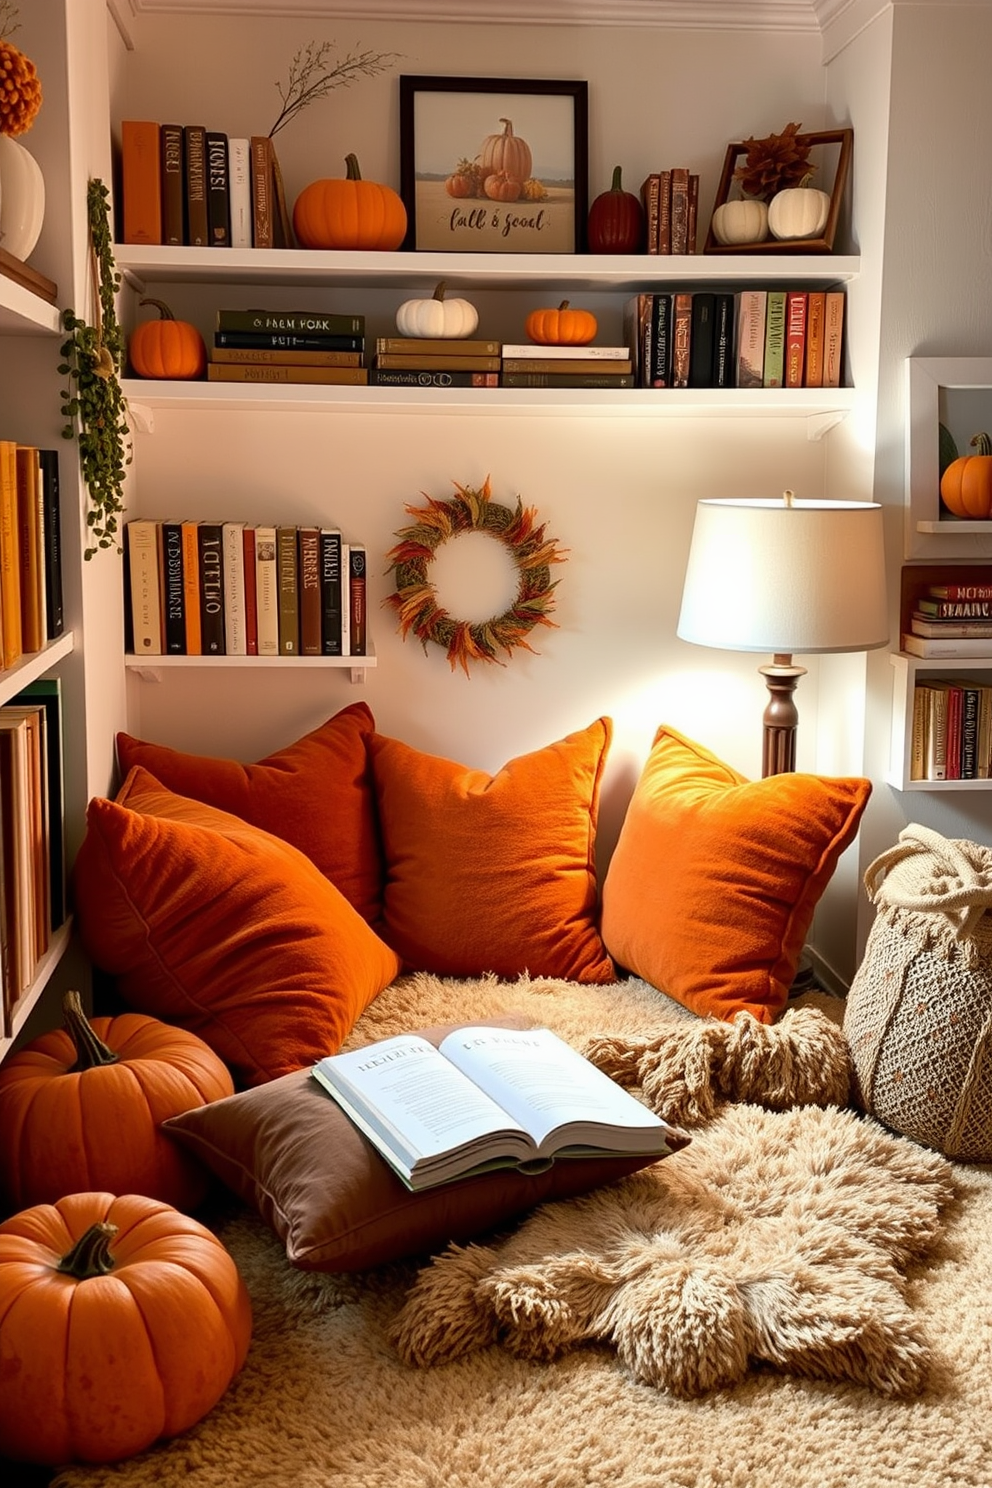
<point x="487" y="1098"/>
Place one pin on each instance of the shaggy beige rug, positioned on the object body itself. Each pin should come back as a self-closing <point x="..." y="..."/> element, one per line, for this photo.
<point x="325" y="1400"/>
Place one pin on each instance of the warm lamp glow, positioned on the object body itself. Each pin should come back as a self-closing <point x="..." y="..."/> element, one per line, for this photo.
<point x="786" y="577"/>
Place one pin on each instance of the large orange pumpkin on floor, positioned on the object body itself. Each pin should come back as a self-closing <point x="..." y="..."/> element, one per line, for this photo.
<point x="121" y="1321"/>
<point x="349" y="213"/>
<point x="80" y="1108"/>
<point x="966" y="485"/>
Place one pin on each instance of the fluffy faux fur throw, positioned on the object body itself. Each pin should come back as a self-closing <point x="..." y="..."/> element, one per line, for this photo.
<point x="776" y="1238"/>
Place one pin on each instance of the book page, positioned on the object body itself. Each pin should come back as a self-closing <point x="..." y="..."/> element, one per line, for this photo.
<point x="418" y="1100"/>
<point x="546" y="1084"/>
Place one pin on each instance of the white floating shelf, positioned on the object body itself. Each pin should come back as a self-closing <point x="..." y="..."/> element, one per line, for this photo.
<point x="151" y="668"/>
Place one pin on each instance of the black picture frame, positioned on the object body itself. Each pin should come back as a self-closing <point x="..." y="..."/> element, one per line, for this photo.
<point x="447" y="120"/>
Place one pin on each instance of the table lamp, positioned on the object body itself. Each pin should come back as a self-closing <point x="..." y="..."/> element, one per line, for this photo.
<point x="786" y="576"/>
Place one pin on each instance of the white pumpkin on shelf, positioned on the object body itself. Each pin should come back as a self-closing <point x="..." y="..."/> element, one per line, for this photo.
<point x="743" y="221"/>
<point x="798" y="212"/>
<point x="437" y="318"/>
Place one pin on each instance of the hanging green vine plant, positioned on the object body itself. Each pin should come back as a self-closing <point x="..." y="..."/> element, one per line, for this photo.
<point x="93" y="358"/>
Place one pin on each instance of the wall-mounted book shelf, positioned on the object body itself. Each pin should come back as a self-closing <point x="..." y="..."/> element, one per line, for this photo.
<point x="955" y="392"/>
<point x="151" y="669"/>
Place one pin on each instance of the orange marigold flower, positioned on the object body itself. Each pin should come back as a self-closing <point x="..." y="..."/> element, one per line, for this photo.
<point x="20" y="90"/>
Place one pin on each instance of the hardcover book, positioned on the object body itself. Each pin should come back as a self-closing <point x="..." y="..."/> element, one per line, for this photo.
<point x="773" y="366"/>
<point x="388" y="377"/>
<point x="410" y="345"/>
<point x="210" y="547"/>
<point x="173" y="587"/>
<point x="141" y="181"/>
<point x="32" y="542"/>
<point x="308" y="558"/>
<point x="724" y="370"/>
<point x="945" y="649"/>
<point x="195" y="172"/>
<point x="566" y="379"/>
<point x="636" y="322"/>
<point x="52" y="525"/>
<point x="442" y="362"/>
<point x="235" y="632"/>
<point x="833" y="337"/>
<point x="530" y="351"/>
<point x="143" y="539"/>
<point x="665" y="212"/>
<point x="273" y="341"/>
<point x="813" y="376"/>
<point x="173" y="186"/>
<point x="660" y="342"/>
<point x="262" y="212"/>
<point x="568" y="364"/>
<point x="331" y="591"/>
<point x="251" y="595"/>
<point x="10" y="556"/>
<point x="750" y="338"/>
<point x="701" y="342"/>
<point x="650" y="197"/>
<point x="289" y="594"/>
<point x="500" y="1098"/>
<point x="218" y="190"/>
<point x="357" y="601"/>
<point x="680" y="210"/>
<point x="274" y="372"/>
<point x="47" y="694"/>
<point x="191" y="586"/>
<point x="681" y="339"/>
<point x="293" y="322"/>
<point x="266" y="591"/>
<point x="255" y="356"/>
<point x="239" y="180"/>
<point x="795" y="338"/>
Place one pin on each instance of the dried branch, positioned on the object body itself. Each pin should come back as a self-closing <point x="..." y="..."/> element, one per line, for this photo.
<point x="311" y="76"/>
<point x="9" y="19"/>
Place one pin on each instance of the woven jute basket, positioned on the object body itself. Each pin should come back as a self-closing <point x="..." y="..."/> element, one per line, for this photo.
<point x="919" y="1013"/>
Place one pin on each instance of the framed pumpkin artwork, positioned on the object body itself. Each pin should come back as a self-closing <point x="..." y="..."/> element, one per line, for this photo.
<point x="494" y="165"/>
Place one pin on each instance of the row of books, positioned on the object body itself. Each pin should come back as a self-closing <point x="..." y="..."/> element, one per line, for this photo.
<point x="751" y="338"/>
<point x="31" y="607"/>
<point x="186" y="185"/>
<point x="202" y="588"/>
<point x="32" y="841"/>
<point x="949" y="620"/>
<point x="952" y="730"/>
<point x="670" y="199"/>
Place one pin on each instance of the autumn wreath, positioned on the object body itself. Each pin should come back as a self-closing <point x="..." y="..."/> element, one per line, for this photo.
<point x="416" y="602"/>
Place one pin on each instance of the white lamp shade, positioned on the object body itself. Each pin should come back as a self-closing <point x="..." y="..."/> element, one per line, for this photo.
<point x="795" y="578"/>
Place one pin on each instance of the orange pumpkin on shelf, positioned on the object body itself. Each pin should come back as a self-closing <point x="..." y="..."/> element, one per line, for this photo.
<point x="349" y="213"/>
<point x="121" y="1321"/>
<point x="167" y="348"/>
<point x="966" y="485"/>
<point x="561" y="327"/>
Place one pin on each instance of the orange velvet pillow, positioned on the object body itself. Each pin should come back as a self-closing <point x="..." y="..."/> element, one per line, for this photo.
<point x="713" y="883"/>
<point x="211" y="923"/>
<point x="316" y="794"/>
<point x="494" y="873"/>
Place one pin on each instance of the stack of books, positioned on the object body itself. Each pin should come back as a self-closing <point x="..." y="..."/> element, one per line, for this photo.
<point x="288" y="346"/>
<point x="31" y="604"/>
<point x="670" y="199"/>
<point x="951" y="620"/>
<point x="423" y="361"/>
<point x="530" y="366"/>
<point x="952" y="730"/>
<point x="755" y="338"/>
<point x="200" y="588"/>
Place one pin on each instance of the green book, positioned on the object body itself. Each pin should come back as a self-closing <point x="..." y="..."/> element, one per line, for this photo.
<point x="774" y="365"/>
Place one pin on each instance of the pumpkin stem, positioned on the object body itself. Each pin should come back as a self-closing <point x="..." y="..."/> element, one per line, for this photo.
<point x="982" y="443"/>
<point x="164" y="312"/>
<point x="805" y="180"/>
<point x="354" y="174"/>
<point x="563" y="305"/>
<point x="90" y="1256"/>
<point x="507" y="126"/>
<point x="616" y="179"/>
<point x="439" y="291"/>
<point x="91" y="1052"/>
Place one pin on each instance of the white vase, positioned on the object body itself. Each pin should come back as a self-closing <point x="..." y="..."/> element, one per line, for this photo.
<point x="22" y="198"/>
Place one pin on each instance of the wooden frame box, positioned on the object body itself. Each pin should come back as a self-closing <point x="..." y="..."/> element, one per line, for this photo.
<point x="844" y="138"/>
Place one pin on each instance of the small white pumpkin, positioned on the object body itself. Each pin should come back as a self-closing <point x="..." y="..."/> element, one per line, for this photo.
<point x="437" y="318"/>
<point x="743" y="221"/>
<point x="798" y="212"/>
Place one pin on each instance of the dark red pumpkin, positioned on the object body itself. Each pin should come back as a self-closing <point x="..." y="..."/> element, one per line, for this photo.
<point x="616" y="220"/>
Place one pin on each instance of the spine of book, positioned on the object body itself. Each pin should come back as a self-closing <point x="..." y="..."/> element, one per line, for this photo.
<point x="289" y="593"/>
<point x="308" y="560"/>
<point x="773" y="366"/>
<point x="210" y="547"/>
<point x="636" y="316"/>
<point x="245" y="372"/>
<point x="273" y="341"/>
<point x="143" y="538"/>
<point x="936" y="734"/>
<point x="141" y="181"/>
<point x="173" y="589"/>
<point x="410" y="345"/>
<point x="795" y="338"/>
<point x="692" y="217"/>
<point x="701" y="345"/>
<point x="263" y="224"/>
<point x="568" y="380"/>
<point x="195" y="172"/>
<point x="723" y="340"/>
<point x="959" y="592"/>
<point x="266" y="591"/>
<point x="984" y="731"/>
<point x="251" y="591"/>
<point x="46" y="692"/>
<point x="833" y="337"/>
<point x="383" y="377"/>
<point x="953" y="750"/>
<point x="814" y="338"/>
<point x="330" y="591"/>
<point x="300" y="322"/>
<point x="969" y="730"/>
<point x="941" y="649"/>
<point x="254" y="356"/>
<point x="54" y="600"/>
<point x="239" y="179"/>
<point x="680" y="209"/>
<point x="15" y="795"/>
<point x="751" y="338"/>
<point x="191" y="587"/>
<point x="218" y="190"/>
<point x="660" y="372"/>
<point x="345" y="599"/>
<point x="650" y="194"/>
<point x="357" y="600"/>
<point x="566" y="364"/>
<point x="918" y="735"/>
<point x="681" y="339"/>
<point x="618" y="352"/>
<point x="955" y="609"/>
<point x="10" y="556"/>
<point x="29" y="517"/>
<point x="665" y="212"/>
<point x="173" y="186"/>
<point x="235" y="600"/>
<point x="449" y="362"/>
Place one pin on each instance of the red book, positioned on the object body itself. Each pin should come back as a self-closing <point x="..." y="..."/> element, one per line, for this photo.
<point x="955" y="697"/>
<point x="795" y="338"/>
<point x="251" y="594"/>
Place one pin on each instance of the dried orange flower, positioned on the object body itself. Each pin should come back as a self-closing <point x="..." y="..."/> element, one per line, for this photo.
<point x="20" y="90"/>
<point x="775" y="163"/>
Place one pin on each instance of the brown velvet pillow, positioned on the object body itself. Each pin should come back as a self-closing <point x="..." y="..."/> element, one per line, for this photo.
<point x="288" y="1150"/>
<point x="316" y="794"/>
